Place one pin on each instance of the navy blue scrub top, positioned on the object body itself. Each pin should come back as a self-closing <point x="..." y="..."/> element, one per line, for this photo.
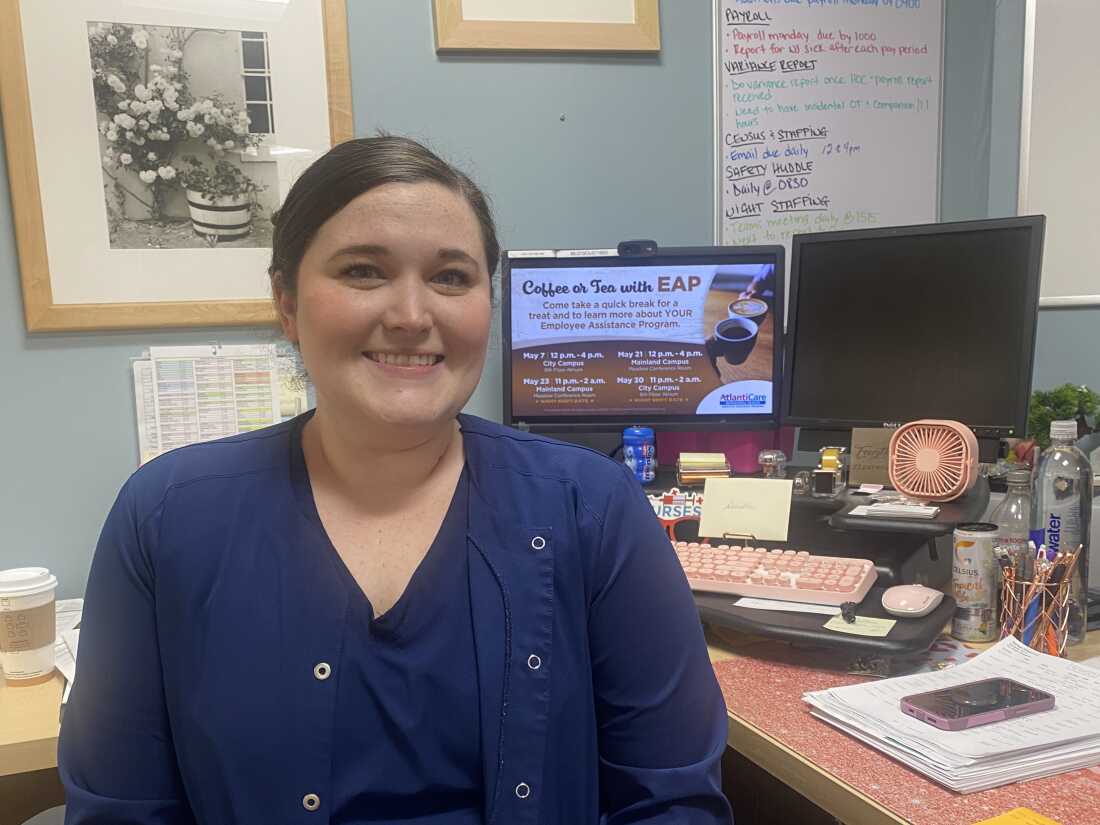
<point x="407" y="734"/>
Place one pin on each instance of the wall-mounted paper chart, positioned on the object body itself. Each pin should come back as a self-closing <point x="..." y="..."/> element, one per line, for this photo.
<point x="828" y="115"/>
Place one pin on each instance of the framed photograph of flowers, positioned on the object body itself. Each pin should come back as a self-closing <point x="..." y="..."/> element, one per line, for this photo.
<point x="148" y="144"/>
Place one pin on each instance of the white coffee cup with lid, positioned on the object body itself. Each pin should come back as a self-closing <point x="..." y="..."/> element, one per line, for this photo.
<point x="28" y="624"/>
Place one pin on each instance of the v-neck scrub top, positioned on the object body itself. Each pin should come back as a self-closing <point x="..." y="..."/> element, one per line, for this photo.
<point x="556" y="672"/>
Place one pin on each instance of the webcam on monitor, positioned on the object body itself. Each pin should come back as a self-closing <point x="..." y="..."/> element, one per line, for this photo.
<point x="637" y="249"/>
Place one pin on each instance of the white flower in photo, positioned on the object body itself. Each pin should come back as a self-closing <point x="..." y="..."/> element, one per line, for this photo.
<point x="148" y="176"/>
<point x="112" y="40"/>
<point x="152" y="156"/>
<point x="155" y="68"/>
<point x="125" y="121"/>
<point x="140" y="141"/>
<point x="154" y="107"/>
<point x="195" y="129"/>
<point x="124" y="105"/>
<point x="171" y="105"/>
<point x="240" y="130"/>
<point x="229" y="144"/>
<point x="185" y="114"/>
<point x="112" y="135"/>
<point x="117" y="85"/>
<point x="131" y="135"/>
<point x="141" y="92"/>
<point x="137" y="107"/>
<point x="211" y="142"/>
<point x="143" y="124"/>
<point x="125" y="159"/>
<point x="167" y="172"/>
<point x="140" y="38"/>
<point x="208" y="118"/>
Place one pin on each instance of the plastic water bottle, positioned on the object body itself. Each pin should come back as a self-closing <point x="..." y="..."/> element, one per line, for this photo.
<point x="1013" y="517"/>
<point x="640" y="453"/>
<point x="1061" y="513"/>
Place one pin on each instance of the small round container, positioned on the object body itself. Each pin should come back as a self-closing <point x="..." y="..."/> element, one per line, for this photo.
<point x="28" y="624"/>
<point x="640" y="453"/>
<point x="773" y="463"/>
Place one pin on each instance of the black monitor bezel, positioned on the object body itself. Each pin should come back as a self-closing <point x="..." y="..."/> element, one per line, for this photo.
<point x="1017" y="427"/>
<point x="672" y="255"/>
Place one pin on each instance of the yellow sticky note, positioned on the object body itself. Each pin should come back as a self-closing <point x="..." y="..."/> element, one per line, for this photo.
<point x="1018" y="816"/>
<point x="862" y="626"/>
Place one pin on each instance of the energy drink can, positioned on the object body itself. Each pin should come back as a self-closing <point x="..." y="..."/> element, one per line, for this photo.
<point x="974" y="581"/>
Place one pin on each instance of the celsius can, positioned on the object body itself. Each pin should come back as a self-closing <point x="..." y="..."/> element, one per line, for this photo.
<point x="974" y="581"/>
<point x="640" y="453"/>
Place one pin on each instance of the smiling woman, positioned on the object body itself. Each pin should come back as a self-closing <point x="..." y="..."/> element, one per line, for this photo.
<point x="451" y="621"/>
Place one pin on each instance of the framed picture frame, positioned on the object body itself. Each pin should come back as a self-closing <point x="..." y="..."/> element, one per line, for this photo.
<point x="149" y="143"/>
<point x="548" y="25"/>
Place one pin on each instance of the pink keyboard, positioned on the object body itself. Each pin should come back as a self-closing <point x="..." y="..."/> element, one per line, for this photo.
<point x="789" y="575"/>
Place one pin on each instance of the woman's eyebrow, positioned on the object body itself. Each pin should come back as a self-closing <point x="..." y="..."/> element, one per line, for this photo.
<point x="361" y="249"/>
<point x="457" y="255"/>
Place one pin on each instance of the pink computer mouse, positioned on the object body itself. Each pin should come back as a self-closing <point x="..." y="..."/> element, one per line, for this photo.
<point x="911" y="600"/>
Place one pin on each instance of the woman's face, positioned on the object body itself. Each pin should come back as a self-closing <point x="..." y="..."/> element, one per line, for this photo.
<point x="393" y="306"/>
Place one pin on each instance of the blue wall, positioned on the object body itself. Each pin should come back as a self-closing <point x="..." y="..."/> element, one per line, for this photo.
<point x="573" y="151"/>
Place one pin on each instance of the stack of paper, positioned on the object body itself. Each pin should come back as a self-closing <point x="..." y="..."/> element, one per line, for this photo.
<point x="1043" y="744"/>
<point x="896" y="510"/>
<point x="696" y="468"/>
<point x="65" y="644"/>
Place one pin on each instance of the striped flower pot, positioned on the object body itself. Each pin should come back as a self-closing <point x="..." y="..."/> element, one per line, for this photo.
<point x="226" y="217"/>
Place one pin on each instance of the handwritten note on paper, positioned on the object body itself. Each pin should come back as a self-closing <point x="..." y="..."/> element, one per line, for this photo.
<point x="862" y="626"/>
<point x="759" y="508"/>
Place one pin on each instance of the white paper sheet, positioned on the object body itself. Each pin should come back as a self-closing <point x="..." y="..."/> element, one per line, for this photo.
<point x="188" y="394"/>
<point x="68" y="613"/>
<point x="1060" y="739"/>
<point x="789" y="607"/>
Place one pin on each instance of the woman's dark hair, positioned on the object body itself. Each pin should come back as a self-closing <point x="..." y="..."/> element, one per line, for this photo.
<point x="347" y="171"/>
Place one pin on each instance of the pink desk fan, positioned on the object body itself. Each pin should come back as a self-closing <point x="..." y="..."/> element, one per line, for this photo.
<point x="933" y="460"/>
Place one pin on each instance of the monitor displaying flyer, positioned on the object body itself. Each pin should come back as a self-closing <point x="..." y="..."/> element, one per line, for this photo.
<point x="671" y="338"/>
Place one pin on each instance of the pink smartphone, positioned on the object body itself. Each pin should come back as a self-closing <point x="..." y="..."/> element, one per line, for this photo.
<point x="976" y="703"/>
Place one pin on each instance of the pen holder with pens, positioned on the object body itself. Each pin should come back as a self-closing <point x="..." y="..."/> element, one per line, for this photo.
<point x="1036" y="609"/>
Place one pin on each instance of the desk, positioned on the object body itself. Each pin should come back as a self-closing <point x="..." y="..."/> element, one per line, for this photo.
<point x="29" y="729"/>
<point x="28" y="750"/>
<point x="851" y="781"/>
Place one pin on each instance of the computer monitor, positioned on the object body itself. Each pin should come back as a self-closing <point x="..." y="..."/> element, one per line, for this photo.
<point x="688" y="338"/>
<point x="890" y="325"/>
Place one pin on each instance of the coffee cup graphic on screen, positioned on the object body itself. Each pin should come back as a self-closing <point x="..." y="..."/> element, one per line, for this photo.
<point x="735" y="338"/>
<point x="752" y="308"/>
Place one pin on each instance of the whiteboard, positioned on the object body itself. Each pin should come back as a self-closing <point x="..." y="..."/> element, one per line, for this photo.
<point x="1060" y="121"/>
<point x="827" y="116"/>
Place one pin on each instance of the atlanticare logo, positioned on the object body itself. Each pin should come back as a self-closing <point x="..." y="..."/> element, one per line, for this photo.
<point x="742" y="399"/>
